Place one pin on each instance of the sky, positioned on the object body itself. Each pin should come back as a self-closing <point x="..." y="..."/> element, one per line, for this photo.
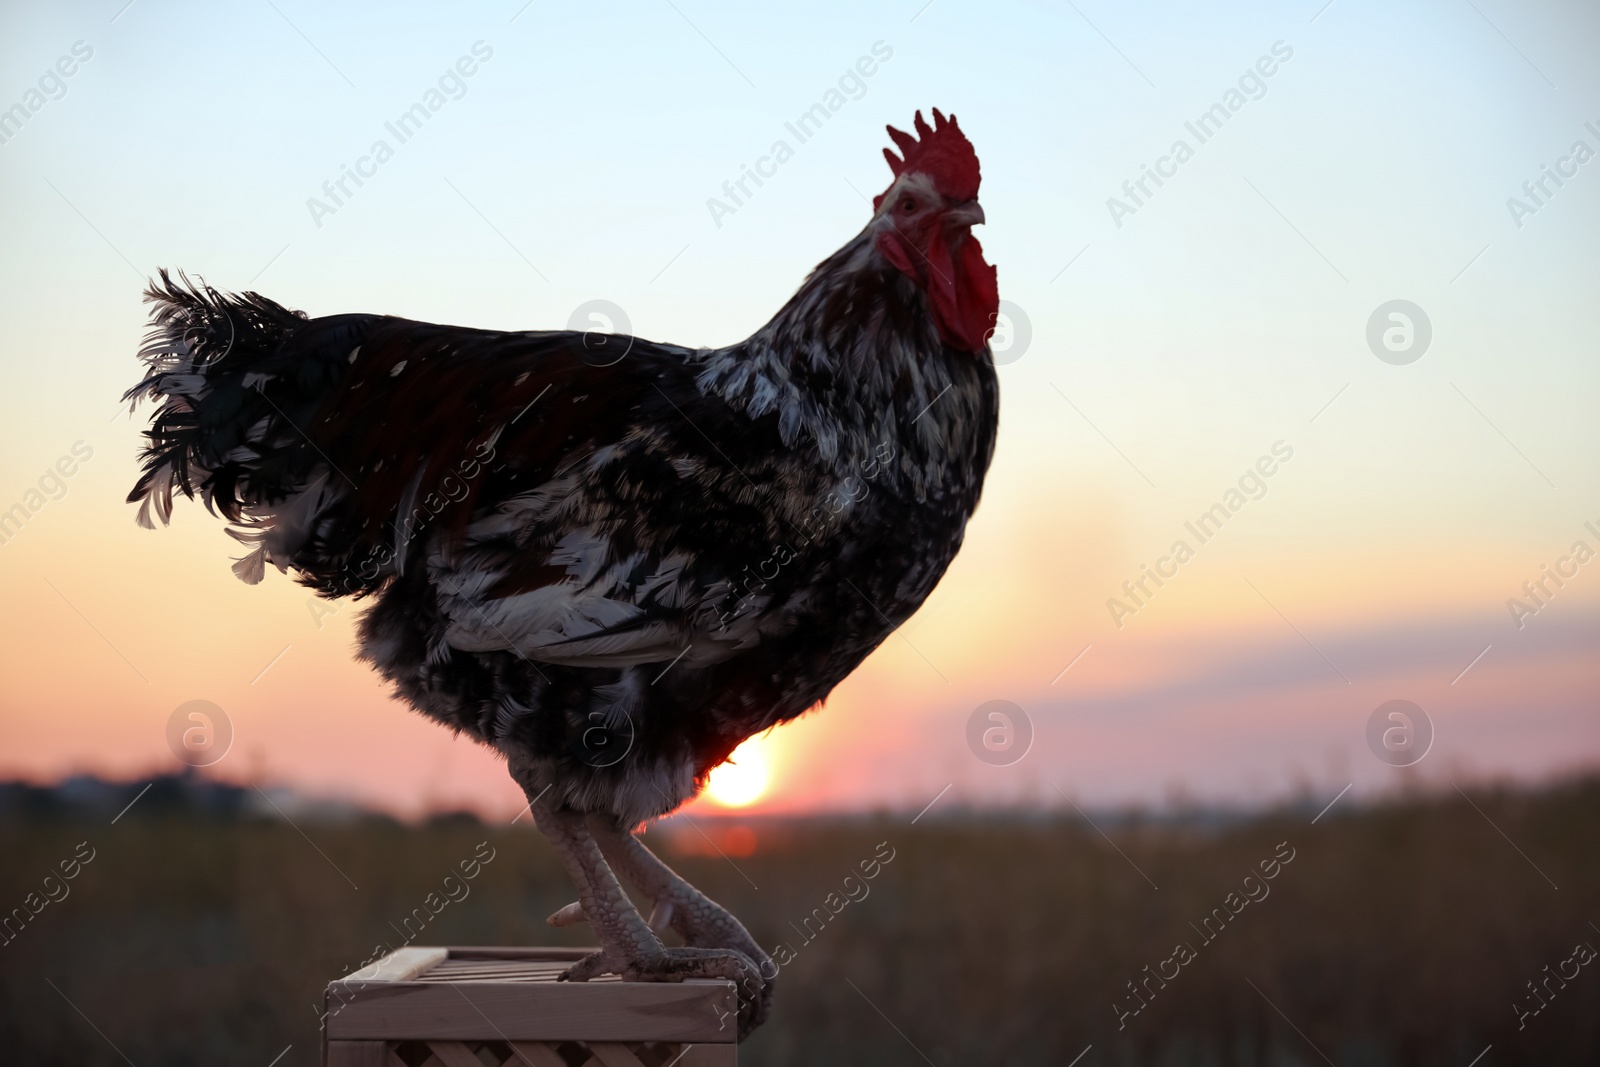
<point x="1162" y="348"/>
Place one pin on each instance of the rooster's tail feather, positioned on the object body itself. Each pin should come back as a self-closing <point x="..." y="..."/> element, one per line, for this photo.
<point x="214" y="363"/>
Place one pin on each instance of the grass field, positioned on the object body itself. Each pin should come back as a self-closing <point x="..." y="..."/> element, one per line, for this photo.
<point x="1397" y="934"/>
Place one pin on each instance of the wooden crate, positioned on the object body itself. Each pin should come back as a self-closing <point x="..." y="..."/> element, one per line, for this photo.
<point x="502" y="1007"/>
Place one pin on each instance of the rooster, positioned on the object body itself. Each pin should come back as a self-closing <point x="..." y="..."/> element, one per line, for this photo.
<point x="609" y="559"/>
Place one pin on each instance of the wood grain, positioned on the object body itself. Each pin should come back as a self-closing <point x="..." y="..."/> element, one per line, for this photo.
<point x="536" y="1011"/>
<point x="357" y="1054"/>
<point x="399" y="966"/>
<point x="450" y="996"/>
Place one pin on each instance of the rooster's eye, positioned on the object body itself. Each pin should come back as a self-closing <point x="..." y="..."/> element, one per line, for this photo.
<point x="907" y="206"/>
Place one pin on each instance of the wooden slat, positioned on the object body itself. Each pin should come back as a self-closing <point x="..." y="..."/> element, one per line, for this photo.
<point x="534" y="1054"/>
<point x="477" y="974"/>
<point x="499" y="971"/>
<point x="697" y="1010"/>
<point x="507" y="952"/>
<point x="358" y="1054"/>
<point x="489" y="970"/>
<point x="401" y="965"/>
<point x="483" y="974"/>
<point x="485" y="968"/>
<point x="526" y="972"/>
<point x="454" y="1054"/>
<point x="614" y="1054"/>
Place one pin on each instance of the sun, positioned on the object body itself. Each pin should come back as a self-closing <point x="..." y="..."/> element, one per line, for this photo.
<point x="744" y="778"/>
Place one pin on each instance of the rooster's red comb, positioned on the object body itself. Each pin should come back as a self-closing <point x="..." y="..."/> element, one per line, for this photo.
<point x="943" y="153"/>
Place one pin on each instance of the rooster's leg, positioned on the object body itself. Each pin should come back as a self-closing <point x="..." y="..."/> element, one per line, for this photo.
<point x="628" y="946"/>
<point x="701" y="921"/>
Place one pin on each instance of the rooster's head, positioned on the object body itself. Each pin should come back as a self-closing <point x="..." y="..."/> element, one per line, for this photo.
<point x="924" y="228"/>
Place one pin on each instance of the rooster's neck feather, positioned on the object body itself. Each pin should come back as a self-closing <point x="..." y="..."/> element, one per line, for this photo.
<point x="849" y="361"/>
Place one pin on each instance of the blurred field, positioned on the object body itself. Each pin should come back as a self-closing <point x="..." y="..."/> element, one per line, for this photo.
<point x="1399" y="934"/>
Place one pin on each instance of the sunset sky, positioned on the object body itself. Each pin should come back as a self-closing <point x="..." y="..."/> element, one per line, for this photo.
<point x="1174" y="341"/>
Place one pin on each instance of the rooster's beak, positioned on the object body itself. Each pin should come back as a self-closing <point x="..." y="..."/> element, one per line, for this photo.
<point x="968" y="214"/>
